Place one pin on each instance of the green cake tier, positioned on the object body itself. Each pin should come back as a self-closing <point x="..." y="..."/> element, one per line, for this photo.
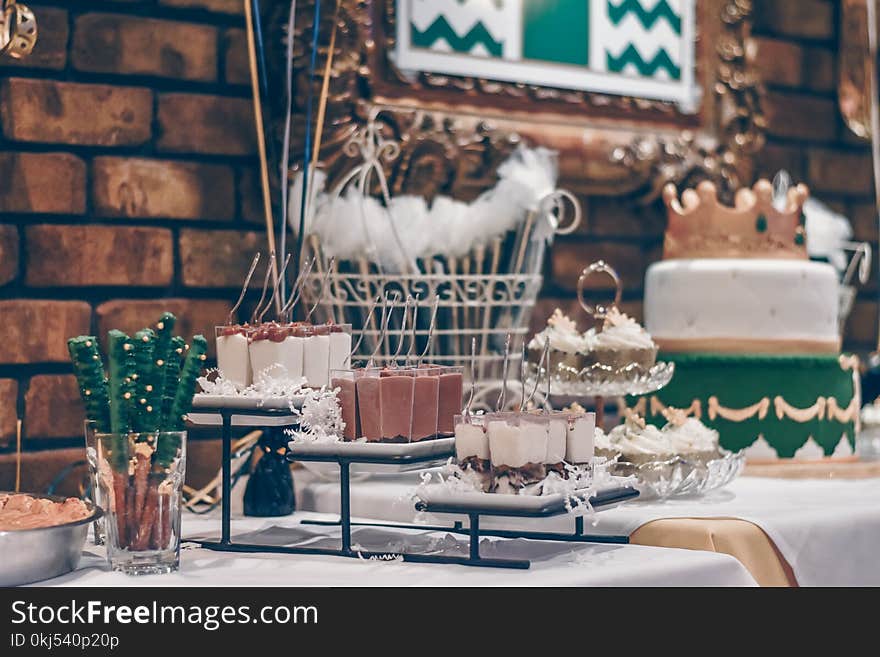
<point x="787" y="399"/>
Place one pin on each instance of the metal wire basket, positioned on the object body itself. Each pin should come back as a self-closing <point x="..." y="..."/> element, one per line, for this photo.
<point x="483" y="296"/>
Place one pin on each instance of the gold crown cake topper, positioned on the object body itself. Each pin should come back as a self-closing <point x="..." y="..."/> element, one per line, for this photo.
<point x="700" y="226"/>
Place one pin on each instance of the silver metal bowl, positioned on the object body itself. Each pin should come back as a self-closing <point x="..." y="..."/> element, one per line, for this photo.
<point x="32" y="555"/>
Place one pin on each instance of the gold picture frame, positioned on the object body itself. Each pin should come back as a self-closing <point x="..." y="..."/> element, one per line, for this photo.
<point x="454" y="130"/>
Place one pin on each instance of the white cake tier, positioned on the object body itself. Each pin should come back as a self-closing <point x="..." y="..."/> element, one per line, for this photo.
<point x="742" y="305"/>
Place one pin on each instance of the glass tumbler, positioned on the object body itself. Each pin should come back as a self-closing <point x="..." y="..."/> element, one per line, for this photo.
<point x="140" y="476"/>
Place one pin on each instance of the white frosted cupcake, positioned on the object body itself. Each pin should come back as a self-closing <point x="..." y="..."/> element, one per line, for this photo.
<point x="621" y="342"/>
<point x="637" y="442"/>
<point x="567" y="344"/>
<point x="688" y="437"/>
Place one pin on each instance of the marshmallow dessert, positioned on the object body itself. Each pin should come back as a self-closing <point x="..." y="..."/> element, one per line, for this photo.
<point x="517" y="449"/>
<point x="246" y="354"/>
<point x="472" y="450"/>
<point x="579" y="438"/>
<point x="233" y="354"/>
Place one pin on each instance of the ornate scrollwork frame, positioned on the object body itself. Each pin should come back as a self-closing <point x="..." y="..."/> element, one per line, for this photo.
<point x="454" y="131"/>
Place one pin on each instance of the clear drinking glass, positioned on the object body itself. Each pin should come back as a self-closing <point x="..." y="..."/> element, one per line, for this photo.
<point x="140" y="476"/>
<point x="93" y="447"/>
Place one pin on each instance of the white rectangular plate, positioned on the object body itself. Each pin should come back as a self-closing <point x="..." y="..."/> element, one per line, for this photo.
<point x="203" y="400"/>
<point x="441" y="495"/>
<point x="438" y="447"/>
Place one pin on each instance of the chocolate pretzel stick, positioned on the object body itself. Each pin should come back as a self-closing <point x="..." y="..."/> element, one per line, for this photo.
<point x="190" y="371"/>
<point x="171" y="375"/>
<point x="121" y="381"/>
<point x="146" y="380"/>
<point x="89" y="371"/>
<point x="162" y="354"/>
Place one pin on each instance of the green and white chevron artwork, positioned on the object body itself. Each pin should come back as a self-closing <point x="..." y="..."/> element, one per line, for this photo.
<point x="641" y="48"/>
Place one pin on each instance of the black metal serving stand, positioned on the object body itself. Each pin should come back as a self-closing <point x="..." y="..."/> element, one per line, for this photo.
<point x="554" y="507"/>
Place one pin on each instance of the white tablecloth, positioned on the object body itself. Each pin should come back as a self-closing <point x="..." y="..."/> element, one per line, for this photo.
<point x="553" y="564"/>
<point x="827" y="530"/>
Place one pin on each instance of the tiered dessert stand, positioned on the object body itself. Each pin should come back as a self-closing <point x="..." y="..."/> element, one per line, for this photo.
<point x="405" y="457"/>
<point x="594" y="384"/>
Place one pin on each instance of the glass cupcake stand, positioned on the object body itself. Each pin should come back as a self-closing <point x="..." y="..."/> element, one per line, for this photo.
<point x="564" y="386"/>
<point x="406" y="457"/>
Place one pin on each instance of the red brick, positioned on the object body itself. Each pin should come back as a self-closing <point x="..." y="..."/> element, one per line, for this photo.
<point x="194" y="316"/>
<point x="220" y="6"/>
<point x="235" y="58"/>
<point x="861" y="327"/>
<point x="774" y="157"/>
<point x="250" y="196"/>
<point x="218" y="258"/>
<point x="8" y="406"/>
<point x="114" y="43"/>
<point x="778" y="61"/>
<point x="53" y="183"/>
<point x="820" y="69"/>
<point x="796" y="116"/>
<point x="570" y="258"/>
<point x="37" y="329"/>
<point x="840" y="172"/>
<point x="9" y="247"/>
<point x="812" y="19"/>
<point x="40" y="469"/>
<point x="622" y="217"/>
<point x="215" y="124"/>
<point x="98" y="255"/>
<point x="50" y="52"/>
<point x="53" y="407"/>
<point x="863" y="217"/>
<point x="136" y="187"/>
<point x="83" y="114"/>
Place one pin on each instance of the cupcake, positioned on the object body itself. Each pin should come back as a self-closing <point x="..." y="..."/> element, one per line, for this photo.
<point x="567" y="345"/>
<point x="621" y="342"/>
<point x="636" y="442"/>
<point x="688" y="437"/>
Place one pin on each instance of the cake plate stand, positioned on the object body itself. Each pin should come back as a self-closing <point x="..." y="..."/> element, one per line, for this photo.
<point x="598" y="381"/>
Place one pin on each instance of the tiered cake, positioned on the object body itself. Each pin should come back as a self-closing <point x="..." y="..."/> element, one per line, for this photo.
<point x="751" y="324"/>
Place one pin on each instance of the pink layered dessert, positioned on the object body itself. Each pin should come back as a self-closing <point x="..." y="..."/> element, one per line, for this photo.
<point x="398" y="404"/>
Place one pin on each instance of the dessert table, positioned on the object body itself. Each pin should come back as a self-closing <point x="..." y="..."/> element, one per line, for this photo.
<point x="811" y="532"/>
<point x="554" y="564"/>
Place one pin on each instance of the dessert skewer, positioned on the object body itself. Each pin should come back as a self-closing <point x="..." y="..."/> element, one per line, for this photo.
<point x="265" y="288"/>
<point x="296" y="290"/>
<point x="230" y="320"/>
<point x="502" y="397"/>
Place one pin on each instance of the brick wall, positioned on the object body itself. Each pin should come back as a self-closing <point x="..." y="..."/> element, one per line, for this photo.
<point x="126" y="139"/>
<point x="126" y="187"/>
<point x="795" y="50"/>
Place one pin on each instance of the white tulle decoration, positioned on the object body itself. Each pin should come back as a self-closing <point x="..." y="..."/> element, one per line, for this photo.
<point x="351" y="226"/>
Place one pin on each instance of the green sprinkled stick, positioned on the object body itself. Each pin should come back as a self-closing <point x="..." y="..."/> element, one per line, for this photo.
<point x="192" y="367"/>
<point x="121" y="356"/>
<point x="89" y="371"/>
<point x="147" y="413"/>
<point x="172" y="380"/>
<point x="162" y="355"/>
